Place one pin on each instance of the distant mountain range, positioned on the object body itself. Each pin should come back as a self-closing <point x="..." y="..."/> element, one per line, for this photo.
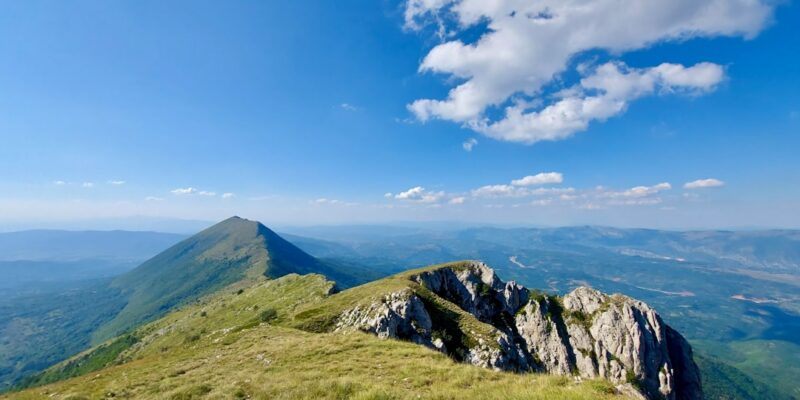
<point x="56" y="245"/>
<point x="770" y="250"/>
<point x="41" y="261"/>
<point x="733" y="294"/>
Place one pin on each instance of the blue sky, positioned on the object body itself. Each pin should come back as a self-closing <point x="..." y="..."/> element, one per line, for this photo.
<point x="339" y="112"/>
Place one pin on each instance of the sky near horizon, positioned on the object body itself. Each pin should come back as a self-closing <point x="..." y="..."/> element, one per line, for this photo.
<point x="681" y="114"/>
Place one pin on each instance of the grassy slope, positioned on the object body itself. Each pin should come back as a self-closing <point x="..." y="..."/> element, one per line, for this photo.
<point x="35" y="337"/>
<point x="219" y="348"/>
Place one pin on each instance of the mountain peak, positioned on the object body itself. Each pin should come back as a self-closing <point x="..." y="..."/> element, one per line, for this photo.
<point x="227" y="252"/>
<point x="235" y="222"/>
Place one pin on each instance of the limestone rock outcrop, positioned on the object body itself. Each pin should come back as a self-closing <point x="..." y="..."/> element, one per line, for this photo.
<point x="586" y="333"/>
<point x="399" y="315"/>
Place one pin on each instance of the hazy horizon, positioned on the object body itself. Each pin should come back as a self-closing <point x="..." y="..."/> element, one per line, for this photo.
<point x="351" y="113"/>
<point x="187" y="226"/>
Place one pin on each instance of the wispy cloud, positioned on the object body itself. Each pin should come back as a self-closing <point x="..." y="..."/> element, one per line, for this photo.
<point x="88" y="185"/>
<point x="635" y="196"/>
<point x="323" y="201"/>
<point x="542" y="202"/>
<point x="116" y="183"/>
<point x="500" y="191"/>
<point x="469" y="144"/>
<point x="153" y="198"/>
<point x="189" y="191"/>
<point x="457" y="200"/>
<point x="59" y="183"/>
<point x="184" y="191"/>
<point x="348" y="107"/>
<point x="228" y="195"/>
<point x="703" y="183"/>
<point x="327" y="201"/>
<point x="637" y="192"/>
<point x="552" y="191"/>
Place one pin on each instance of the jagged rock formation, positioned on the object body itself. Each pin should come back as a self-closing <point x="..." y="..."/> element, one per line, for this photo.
<point x="586" y="333"/>
<point x="400" y="315"/>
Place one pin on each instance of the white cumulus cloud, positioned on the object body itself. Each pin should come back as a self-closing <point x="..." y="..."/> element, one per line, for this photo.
<point x="528" y="45"/>
<point x="541" y="178"/>
<point x="604" y="94"/>
<point x="703" y="183"/>
<point x="419" y="194"/>
<point x="518" y="187"/>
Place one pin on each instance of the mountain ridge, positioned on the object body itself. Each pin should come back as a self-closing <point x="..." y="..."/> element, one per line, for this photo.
<point x="464" y="310"/>
<point x="224" y="253"/>
<point x="461" y="310"/>
<point x="233" y="250"/>
<point x="239" y="343"/>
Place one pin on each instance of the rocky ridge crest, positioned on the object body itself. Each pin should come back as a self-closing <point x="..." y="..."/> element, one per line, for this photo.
<point x="587" y="334"/>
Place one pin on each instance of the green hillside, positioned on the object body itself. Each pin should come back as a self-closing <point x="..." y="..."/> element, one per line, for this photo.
<point x="238" y="343"/>
<point x="773" y="362"/>
<point x="207" y="261"/>
<point x="723" y="382"/>
<point x="237" y="284"/>
<point x="230" y="251"/>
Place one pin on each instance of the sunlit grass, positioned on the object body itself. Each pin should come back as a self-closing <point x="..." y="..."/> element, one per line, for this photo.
<point x="219" y="348"/>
